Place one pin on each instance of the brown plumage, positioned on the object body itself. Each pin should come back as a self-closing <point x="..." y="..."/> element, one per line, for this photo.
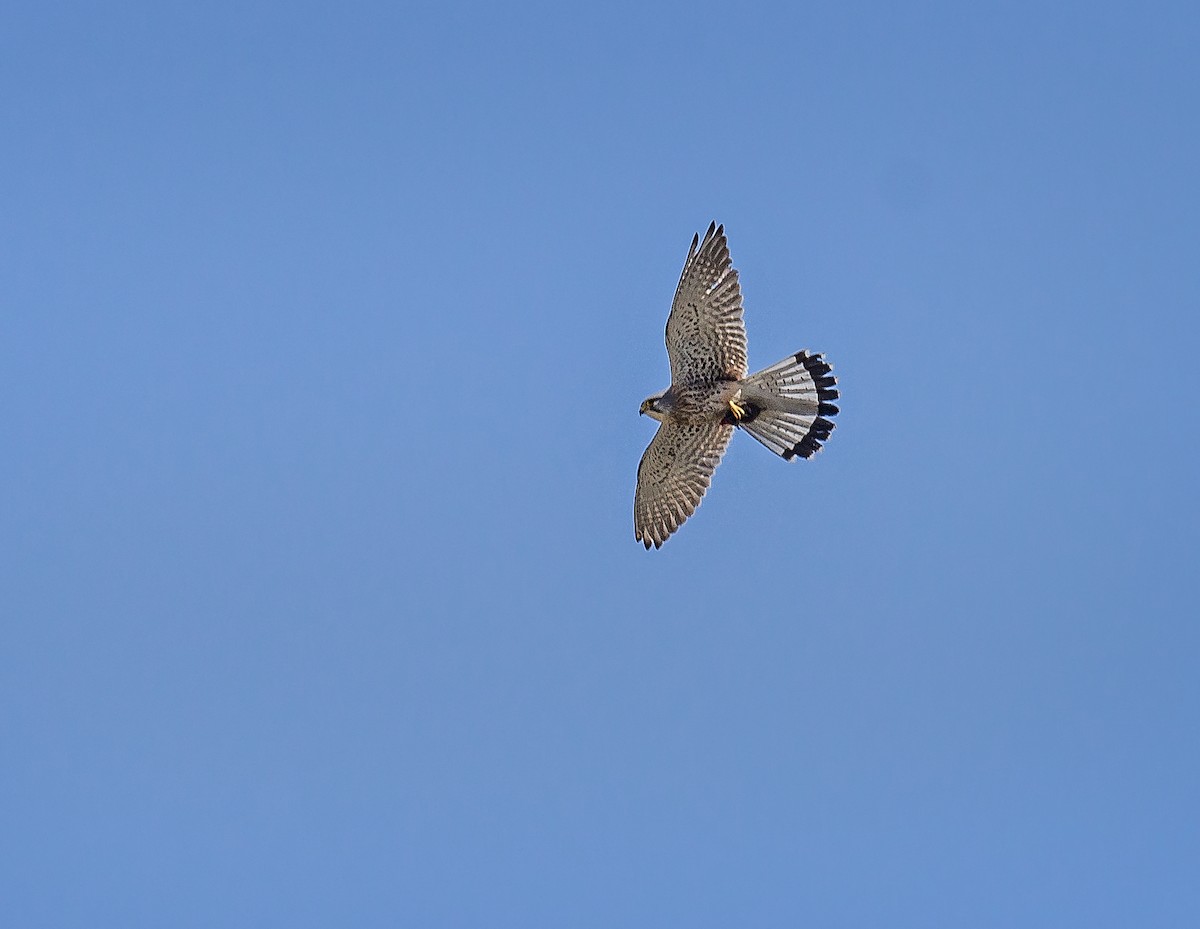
<point x="786" y="407"/>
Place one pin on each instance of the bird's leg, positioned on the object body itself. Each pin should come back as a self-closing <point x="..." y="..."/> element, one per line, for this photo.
<point x="738" y="411"/>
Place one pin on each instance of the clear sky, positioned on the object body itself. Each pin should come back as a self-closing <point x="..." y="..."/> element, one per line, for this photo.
<point x="324" y="330"/>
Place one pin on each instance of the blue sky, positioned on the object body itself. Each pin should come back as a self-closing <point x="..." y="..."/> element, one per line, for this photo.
<point x="324" y="332"/>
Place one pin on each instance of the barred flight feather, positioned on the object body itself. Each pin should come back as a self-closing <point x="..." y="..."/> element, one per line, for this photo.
<point x="790" y="402"/>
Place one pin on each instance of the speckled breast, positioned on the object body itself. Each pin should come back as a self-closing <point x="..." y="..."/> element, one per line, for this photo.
<point x="703" y="400"/>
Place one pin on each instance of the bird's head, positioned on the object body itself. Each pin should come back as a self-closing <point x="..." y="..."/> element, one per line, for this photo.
<point x="655" y="407"/>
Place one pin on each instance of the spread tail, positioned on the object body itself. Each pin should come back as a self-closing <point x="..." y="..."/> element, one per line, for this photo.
<point x="788" y="405"/>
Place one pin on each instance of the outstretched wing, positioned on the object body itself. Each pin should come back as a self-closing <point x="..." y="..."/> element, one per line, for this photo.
<point x="706" y="338"/>
<point x="674" y="474"/>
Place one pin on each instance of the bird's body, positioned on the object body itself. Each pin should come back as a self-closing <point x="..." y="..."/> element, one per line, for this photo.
<point x="697" y="401"/>
<point x="785" y="406"/>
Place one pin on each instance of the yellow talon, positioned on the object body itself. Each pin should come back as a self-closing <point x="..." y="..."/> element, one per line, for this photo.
<point x="738" y="411"/>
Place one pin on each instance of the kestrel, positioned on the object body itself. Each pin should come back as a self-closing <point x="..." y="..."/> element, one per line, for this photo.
<point x="786" y="406"/>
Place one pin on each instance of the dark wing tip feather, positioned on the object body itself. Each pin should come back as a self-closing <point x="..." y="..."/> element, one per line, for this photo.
<point x="713" y="234"/>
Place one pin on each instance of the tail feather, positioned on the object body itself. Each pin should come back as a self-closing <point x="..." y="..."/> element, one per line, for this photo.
<point x="789" y="405"/>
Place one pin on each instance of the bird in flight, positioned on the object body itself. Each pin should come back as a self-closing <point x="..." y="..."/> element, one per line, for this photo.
<point x="787" y="407"/>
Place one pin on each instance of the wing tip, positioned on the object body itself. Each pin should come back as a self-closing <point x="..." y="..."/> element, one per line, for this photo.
<point x="714" y="233"/>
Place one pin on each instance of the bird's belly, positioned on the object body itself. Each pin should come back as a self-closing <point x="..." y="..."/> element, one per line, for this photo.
<point x="705" y="402"/>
